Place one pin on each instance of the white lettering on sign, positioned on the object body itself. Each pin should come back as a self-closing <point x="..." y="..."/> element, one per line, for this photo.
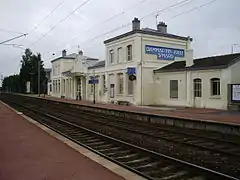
<point x="164" y="53"/>
<point x="236" y="92"/>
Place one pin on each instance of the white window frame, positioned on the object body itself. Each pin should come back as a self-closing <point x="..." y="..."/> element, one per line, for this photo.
<point x="197" y="87"/>
<point x="119" y="54"/>
<point x="130" y="91"/>
<point x="174" y="90"/>
<point x="215" y="82"/>
<point x="120" y="83"/>
<point x="111" y="56"/>
<point x="129" y="52"/>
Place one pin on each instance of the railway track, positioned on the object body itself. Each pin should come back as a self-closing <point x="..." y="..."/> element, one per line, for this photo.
<point x="219" y="159"/>
<point x="231" y="148"/>
<point x="146" y="163"/>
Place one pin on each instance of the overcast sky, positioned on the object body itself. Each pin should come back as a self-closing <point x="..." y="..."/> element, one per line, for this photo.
<point x="214" y="28"/>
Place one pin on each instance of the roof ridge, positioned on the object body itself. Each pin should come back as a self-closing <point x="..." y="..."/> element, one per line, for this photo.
<point x="218" y="56"/>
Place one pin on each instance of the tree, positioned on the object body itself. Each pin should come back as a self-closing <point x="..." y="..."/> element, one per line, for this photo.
<point x="29" y="71"/>
<point x="11" y="84"/>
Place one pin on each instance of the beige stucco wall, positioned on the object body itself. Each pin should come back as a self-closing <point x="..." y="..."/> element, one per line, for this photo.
<point x="208" y="101"/>
<point x="144" y="64"/>
<point x="162" y="89"/>
<point x="162" y="42"/>
<point x="185" y="88"/>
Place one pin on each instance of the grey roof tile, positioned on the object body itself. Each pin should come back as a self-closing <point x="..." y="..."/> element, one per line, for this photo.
<point x="99" y="64"/>
<point x="214" y="62"/>
<point x="147" y="31"/>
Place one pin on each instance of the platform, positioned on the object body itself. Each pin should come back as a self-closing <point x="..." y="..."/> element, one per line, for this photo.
<point x="28" y="152"/>
<point x="209" y="115"/>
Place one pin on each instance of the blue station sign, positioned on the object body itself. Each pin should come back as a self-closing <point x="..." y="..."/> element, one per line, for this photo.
<point x="164" y="53"/>
<point x="93" y="80"/>
<point x="131" y="71"/>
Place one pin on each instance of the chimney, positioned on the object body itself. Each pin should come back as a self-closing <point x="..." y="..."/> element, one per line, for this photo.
<point x="189" y="57"/>
<point x="162" y="27"/>
<point x="136" y="24"/>
<point x="64" y="53"/>
<point x="80" y="52"/>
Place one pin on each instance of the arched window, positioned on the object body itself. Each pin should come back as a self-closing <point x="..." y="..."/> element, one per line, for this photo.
<point x="111" y="56"/>
<point x="215" y="86"/>
<point x="197" y="84"/>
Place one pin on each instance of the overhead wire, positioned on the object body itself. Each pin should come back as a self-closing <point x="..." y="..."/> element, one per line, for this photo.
<point x="48" y="15"/>
<point x="45" y="18"/>
<point x="128" y="24"/>
<point x="195" y="8"/>
<point x="60" y="22"/>
<point x="108" y="19"/>
<point x="162" y="10"/>
<point x="10" y="31"/>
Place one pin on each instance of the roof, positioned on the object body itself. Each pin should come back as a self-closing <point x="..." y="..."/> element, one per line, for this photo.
<point x="63" y="57"/>
<point x="147" y="31"/>
<point x="74" y="56"/>
<point x="99" y="64"/>
<point x="214" y="62"/>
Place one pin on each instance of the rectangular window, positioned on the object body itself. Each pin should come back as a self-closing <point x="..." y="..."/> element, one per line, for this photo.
<point x="120" y="83"/>
<point x="129" y="52"/>
<point x="130" y="87"/>
<point x="173" y="88"/>
<point x="215" y="87"/>
<point x="91" y="88"/>
<point x="119" y="54"/>
<point x="103" y="83"/>
<point x="111" y="56"/>
<point x="197" y="83"/>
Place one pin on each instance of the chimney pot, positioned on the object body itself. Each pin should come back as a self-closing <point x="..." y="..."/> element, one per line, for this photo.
<point x="64" y="53"/>
<point x="162" y="27"/>
<point x="80" y="52"/>
<point x="136" y="24"/>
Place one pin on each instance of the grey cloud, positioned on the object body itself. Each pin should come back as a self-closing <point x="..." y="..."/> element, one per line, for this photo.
<point x="214" y="28"/>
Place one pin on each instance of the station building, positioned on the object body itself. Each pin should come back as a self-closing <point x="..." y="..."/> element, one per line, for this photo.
<point x="147" y="67"/>
<point x="69" y="74"/>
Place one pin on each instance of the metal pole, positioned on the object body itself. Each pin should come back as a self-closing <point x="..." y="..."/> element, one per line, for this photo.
<point x="94" y="93"/>
<point x="94" y="87"/>
<point x="39" y="78"/>
<point x="13" y="38"/>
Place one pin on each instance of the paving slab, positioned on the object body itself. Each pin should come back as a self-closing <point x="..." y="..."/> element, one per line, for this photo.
<point x="27" y="152"/>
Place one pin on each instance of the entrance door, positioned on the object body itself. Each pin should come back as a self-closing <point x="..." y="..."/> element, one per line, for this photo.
<point x="112" y="90"/>
<point x="197" y="85"/>
<point x="79" y="89"/>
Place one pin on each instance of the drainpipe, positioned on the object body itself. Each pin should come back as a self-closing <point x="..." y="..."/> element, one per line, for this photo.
<point x="141" y="75"/>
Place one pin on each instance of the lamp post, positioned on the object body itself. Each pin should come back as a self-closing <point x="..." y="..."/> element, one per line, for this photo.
<point x="31" y="83"/>
<point x="94" y="77"/>
<point x="39" y="89"/>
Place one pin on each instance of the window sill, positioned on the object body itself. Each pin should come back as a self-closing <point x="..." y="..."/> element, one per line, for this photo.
<point x="174" y="99"/>
<point x="215" y="97"/>
<point x="120" y="94"/>
<point x="129" y="95"/>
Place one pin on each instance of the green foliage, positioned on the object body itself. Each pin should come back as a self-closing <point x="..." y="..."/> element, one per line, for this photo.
<point x="11" y="84"/>
<point x="28" y="72"/>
